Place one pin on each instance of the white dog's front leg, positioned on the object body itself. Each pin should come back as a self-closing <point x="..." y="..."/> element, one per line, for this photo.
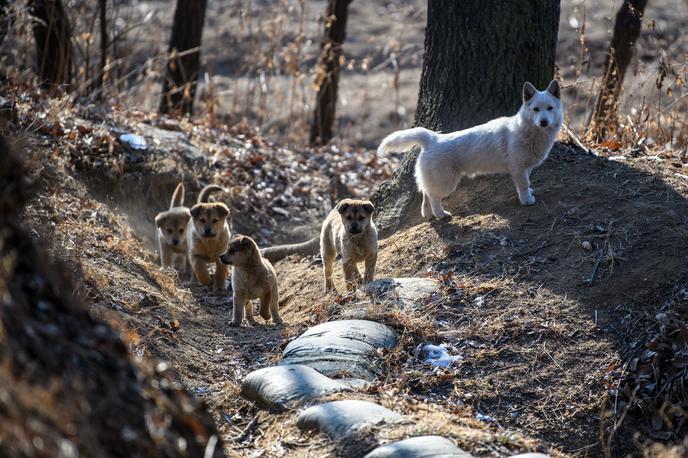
<point x="522" y="181"/>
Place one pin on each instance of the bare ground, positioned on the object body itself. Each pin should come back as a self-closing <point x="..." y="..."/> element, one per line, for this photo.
<point x="540" y="320"/>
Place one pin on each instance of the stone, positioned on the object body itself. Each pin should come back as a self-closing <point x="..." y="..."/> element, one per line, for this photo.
<point x="338" y="419"/>
<point x="280" y="388"/>
<point x="344" y="348"/>
<point x="370" y="332"/>
<point x="402" y="293"/>
<point x="419" y="447"/>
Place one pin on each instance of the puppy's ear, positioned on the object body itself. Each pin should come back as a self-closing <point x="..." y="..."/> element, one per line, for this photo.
<point x="195" y="210"/>
<point x="554" y="89"/>
<point x="342" y="207"/>
<point x="159" y="220"/>
<point x="528" y="91"/>
<point x="369" y="207"/>
<point x="222" y="210"/>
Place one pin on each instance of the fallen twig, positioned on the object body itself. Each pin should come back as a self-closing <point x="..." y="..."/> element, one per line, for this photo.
<point x="249" y="428"/>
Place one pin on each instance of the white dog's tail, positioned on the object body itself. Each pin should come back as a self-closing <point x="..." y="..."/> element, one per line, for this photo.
<point x="404" y="139"/>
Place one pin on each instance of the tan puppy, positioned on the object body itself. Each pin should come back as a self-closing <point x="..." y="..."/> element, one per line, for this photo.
<point x="208" y="236"/>
<point x="349" y="231"/>
<point x="171" y="225"/>
<point x="253" y="277"/>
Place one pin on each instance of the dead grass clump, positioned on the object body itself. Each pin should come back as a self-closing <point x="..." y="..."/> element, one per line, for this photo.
<point x="652" y="382"/>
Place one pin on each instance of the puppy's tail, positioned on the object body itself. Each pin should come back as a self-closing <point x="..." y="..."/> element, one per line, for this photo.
<point x="277" y="253"/>
<point x="205" y="192"/>
<point x="405" y="139"/>
<point x="177" y="196"/>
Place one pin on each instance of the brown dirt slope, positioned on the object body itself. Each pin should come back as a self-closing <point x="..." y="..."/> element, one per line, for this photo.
<point x="542" y="322"/>
<point x="68" y="385"/>
<point x="541" y="345"/>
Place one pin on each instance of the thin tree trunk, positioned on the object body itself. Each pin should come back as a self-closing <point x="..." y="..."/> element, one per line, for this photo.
<point x="53" y="43"/>
<point x="4" y="19"/>
<point x="102" y="10"/>
<point x="478" y="54"/>
<point x="328" y="72"/>
<point x="626" y="31"/>
<point x="181" y="72"/>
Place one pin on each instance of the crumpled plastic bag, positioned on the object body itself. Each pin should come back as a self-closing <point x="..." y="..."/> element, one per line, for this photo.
<point x="437" y="355"/>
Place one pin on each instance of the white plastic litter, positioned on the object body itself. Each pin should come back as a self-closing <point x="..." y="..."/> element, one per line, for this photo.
<point x="483" y="417"/>
<point x="134" y="141"/>
<point x="437" y="356"/>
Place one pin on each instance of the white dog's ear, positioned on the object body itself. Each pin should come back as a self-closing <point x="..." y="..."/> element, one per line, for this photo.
<point x="528" y="91"/>
<point x="554" y="89"/>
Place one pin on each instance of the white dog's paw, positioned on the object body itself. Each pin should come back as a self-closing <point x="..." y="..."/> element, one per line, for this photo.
<point x="527" y="200"/>
<point x="445" y="215"/>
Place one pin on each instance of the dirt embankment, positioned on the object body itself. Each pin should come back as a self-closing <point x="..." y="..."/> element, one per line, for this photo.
<point x="545" y="304"/>
<point x="68" y="384"/>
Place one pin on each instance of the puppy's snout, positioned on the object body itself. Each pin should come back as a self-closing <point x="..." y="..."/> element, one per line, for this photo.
<point x="224" y="259"/>
<point x="543" y="123"/>
<point x="355" y="228"/>
<point x="175" y="242"/>
<point x="207" y="230"/>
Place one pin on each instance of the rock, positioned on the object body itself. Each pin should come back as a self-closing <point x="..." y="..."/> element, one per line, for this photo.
<point x="370" y="332"/>
<point x="278" y="388"/>
<point x="341" y="418"/>
<point x="419" y="447"/>
<point x="402" y="292"/>
<point x="342" y="348"/>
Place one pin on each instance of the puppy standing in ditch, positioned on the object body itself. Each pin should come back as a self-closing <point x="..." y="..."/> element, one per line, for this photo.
<point x="207" y="237"/>
<point x="349" y="231"/>
<point x="253" y="277"/>
<point x="514" y="145"/>
<point x="171" y="225"/>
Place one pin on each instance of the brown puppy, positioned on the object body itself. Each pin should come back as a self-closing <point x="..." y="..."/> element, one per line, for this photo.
<point x="253" y="277"/>
<point x="171" y="225"/>
<point x="207" y="237"/>
<point x="349" y="231"/>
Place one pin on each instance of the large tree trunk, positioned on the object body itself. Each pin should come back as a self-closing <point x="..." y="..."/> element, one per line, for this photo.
<point x="181" y="73"/>
<point x="478" y="54"/>
<point x="626" y="32"/>
<point x="53" y="43"/>
<point x="327" y="78"/>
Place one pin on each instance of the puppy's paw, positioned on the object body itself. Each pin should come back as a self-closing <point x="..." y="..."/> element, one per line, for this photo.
<point x="235" y="324"/>
<point x="252" y="323"/>
<point x="445" y="216"/>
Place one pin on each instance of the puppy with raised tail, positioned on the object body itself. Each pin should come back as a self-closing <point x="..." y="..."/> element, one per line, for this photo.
<point x="349" y="231"/>
<point x="171" y="235"/>
<point x="207" y="237"/>
<point x="514" y="145"/>
<point x="253" y="277"/>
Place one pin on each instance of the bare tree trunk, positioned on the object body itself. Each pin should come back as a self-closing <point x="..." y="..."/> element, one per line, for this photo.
<point x="181" y="72"/>
<point x="102" y="10"/>
<point x="626" y="31"/>
<point x="478" y="54"/>
<point x="53" y="43"/>
<point x="327" y="78"/>
<point x="4" y="19"/>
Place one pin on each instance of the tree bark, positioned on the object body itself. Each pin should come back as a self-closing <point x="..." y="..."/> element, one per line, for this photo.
<point x="478" y="55"/>
<point x="327" y="79"/>
<point x="181" y="72"/>
<point x="102" y="12"/>
<point x="4" y="19"/>
<point x="53" y="36"/>
<point x="626" y="31"/>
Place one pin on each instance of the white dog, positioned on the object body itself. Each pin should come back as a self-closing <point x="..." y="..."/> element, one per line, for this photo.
<point x="515" y="145"/>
